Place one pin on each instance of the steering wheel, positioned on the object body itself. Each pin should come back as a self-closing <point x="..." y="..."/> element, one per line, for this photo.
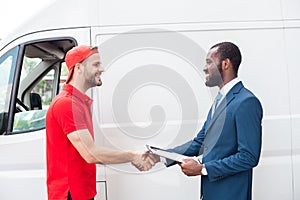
<point x="20" y="105"/>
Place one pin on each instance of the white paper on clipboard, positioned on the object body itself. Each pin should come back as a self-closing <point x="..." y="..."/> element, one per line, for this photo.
<point x="166" y="154"/>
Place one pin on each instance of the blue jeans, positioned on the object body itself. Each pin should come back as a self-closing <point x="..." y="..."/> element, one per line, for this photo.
<point x="70" y="198"/>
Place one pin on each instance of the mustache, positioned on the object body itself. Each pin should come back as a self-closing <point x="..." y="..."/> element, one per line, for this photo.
<point x="98" y="73"/>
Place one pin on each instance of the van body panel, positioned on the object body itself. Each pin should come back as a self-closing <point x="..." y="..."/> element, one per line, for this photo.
<point x="153" y="89"/>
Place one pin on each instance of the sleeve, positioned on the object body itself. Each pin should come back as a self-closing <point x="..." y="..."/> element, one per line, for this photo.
<point x="190" y="148"/>
<point x="249" y="132"/>
<point x="69" y="115"/>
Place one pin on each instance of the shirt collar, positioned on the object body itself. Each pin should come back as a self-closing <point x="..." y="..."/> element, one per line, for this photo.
<point x="228" y="86"/>
<point x="76" y="93"/>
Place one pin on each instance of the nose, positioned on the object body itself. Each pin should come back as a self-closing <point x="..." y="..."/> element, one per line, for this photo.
<point x="101" y="69"/>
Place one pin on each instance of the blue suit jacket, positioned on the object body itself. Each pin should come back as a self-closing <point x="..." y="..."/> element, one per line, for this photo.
<point x="230" y="143"/>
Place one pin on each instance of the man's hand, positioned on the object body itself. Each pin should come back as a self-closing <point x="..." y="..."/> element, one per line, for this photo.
<point x="143" y="161"/>
<point x="153" y="157"/>
<point x="190" y="167"/>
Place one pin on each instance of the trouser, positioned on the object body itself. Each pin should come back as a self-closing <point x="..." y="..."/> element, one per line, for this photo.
<point x="70" y="198"/>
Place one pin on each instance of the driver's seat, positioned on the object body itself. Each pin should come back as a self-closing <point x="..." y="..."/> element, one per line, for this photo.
<point x="35" y="101"/>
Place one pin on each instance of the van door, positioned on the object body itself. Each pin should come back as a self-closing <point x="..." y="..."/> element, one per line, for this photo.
<point x="32" y="72"/>
<point x="31" y="78"/>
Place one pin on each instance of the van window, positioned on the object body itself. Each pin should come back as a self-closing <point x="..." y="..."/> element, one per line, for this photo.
<point x="63" y="75"/>
<point x="29" y="64"/>
<point x="7" y="68"/>
<point x="40" y="98"/>
<point x="41" y="77"/>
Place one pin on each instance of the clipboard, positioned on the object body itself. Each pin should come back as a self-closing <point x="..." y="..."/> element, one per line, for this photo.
<point x="166" y="154"/>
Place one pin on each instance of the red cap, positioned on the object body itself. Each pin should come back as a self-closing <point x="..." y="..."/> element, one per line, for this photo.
<point x="77" y="55"/>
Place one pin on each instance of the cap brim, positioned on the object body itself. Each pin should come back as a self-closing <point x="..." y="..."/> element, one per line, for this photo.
<point x="70" y="75"/>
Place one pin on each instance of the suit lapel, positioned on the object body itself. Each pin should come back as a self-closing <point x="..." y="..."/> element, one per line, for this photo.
<point x="224" y="104"/>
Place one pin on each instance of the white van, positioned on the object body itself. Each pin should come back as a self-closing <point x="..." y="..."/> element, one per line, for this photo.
<point x="153" y="89"/>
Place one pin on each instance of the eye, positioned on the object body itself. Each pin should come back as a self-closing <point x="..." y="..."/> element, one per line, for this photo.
<point x="96" y="64"/>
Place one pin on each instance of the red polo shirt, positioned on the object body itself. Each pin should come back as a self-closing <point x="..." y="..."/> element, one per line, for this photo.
<point x="66" y="169"/>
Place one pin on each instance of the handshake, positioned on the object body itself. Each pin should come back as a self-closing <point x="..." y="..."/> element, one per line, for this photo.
<point x="144" y="160"/>
<point x="190" y="166"/>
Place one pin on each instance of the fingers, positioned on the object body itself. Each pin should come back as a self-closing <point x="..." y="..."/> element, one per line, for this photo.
<point x="153" y="159"/>
<point x="190" y="167"/>
<point x="149" y="159"/>
<point x="142" y="161"/>
<point x="142" y="165"/>
<point x="186" y="162"/>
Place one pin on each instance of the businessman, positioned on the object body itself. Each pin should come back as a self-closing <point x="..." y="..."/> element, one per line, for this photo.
<point x="230" y="139"/>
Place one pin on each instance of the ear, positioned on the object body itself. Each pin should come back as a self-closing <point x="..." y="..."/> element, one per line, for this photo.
<point x="225" y="64"/>
<point x="78" y="67"/>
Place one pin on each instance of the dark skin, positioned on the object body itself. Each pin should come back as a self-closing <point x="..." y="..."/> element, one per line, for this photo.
<point x="218" y="73"/>
<point x="190" y="167"/>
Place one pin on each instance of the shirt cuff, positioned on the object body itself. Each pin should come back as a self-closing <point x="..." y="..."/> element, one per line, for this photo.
<point x="163" y="160"/>
<point x="204" y="171"/>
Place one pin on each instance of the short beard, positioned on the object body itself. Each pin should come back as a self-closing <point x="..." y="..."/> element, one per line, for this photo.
<point x="217" y="79"/>
<point x="91" y="81"/>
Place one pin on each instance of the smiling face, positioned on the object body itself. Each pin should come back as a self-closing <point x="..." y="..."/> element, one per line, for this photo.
<point x="92" y="71"/>
<point x="213" y="69"/>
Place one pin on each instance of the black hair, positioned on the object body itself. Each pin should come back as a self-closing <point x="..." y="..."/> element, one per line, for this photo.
<point x="230" y="51"/>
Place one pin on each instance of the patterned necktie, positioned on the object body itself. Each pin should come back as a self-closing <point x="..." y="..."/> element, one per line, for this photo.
<point x="216" y="102"/>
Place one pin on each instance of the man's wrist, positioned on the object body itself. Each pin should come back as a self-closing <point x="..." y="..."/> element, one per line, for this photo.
<point x="130" y="155"/>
